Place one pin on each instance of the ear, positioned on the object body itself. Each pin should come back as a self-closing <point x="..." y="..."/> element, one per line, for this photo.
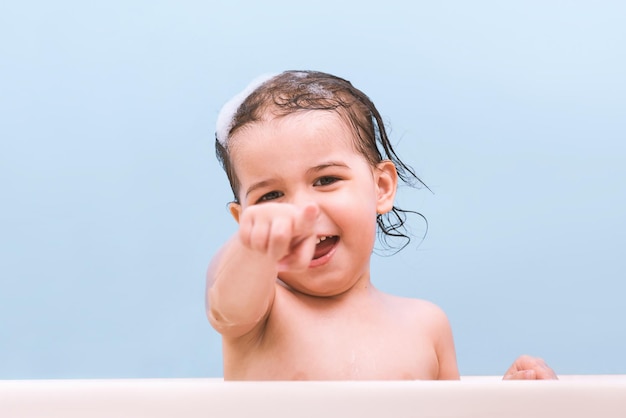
<point x="235" y="210"/>
<point x="386" y="178"/>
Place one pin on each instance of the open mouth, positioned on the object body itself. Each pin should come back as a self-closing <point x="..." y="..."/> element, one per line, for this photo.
<point x="324" y="245"/>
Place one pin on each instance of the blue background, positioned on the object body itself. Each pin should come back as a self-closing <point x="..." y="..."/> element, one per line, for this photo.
<point x="112" y="202"/>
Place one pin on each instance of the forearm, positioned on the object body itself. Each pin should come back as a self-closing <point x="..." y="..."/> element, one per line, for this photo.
<point x="240" y="288"/>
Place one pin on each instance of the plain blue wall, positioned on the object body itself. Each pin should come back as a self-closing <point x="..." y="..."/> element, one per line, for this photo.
<point x="514" y="113"/>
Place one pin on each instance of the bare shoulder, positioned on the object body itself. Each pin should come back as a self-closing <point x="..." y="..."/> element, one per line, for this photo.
<point x="418" y="309"/>
<point x="429" y="321"/>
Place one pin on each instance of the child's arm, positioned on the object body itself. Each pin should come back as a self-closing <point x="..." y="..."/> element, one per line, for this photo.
<point x="272" y="237"/>
<point x="529" y="368"/>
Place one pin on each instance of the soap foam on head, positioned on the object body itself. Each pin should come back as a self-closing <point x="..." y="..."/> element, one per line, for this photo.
<point x="225" y="117"/>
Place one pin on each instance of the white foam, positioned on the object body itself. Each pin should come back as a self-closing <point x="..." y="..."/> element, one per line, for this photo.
<point x="319" y="91"/>
<point x="225" y="117"/>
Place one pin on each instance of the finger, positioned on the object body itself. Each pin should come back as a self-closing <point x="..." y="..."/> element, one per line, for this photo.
<point x="524" y="362"/>
<point x="514" y="368"/>
<point x="302" y="245"/>
<point x="301" y="254"/>
<point x="521" y="375"/>
<point x="259" y="234"/>
<point x="546" y="373"/>
<point x="301" y="251"/>
<point x="280" y="238"/>
<point x="304" y="222"/>
<point x="541" y="368"/>
<point x="310" y="211"/>
<point x="245" y="229"/>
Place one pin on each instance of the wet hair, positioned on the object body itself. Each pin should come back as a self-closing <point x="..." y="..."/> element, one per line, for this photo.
<point x="297" y="91"/>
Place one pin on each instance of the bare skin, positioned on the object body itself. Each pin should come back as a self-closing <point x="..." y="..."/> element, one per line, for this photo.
<point x="290" y="292"/>
<point x="361" y="334"/>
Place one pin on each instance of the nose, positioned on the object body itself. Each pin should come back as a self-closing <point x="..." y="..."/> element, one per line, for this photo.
<point x="301" y="198"/>
<point x="304" y="199"/>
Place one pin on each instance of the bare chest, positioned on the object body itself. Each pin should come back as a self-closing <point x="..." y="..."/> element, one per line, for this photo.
<point x="333" y="346"/>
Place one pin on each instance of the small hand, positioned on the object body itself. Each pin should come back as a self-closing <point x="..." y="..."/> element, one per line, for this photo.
<point x="529" y="368"/>
<point x="282" y="231"/>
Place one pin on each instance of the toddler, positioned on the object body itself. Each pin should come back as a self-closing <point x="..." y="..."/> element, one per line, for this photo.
<point x="314" y="177"/>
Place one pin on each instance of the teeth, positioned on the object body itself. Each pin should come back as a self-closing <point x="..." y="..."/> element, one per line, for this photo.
<point x="320" y="239"/>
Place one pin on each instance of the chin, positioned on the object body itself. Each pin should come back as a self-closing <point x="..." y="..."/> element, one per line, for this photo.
<point x="321" y="290"/>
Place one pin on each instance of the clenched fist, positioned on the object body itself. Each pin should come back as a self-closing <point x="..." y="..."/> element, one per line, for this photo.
<point x="282" y="231"/>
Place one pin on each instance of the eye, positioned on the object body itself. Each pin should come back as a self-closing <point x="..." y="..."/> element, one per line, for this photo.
<point x="270" y="196"/>
<point x="325" y="181"/>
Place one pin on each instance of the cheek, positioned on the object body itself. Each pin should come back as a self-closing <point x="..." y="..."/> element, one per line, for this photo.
<point x="357" y="212"/>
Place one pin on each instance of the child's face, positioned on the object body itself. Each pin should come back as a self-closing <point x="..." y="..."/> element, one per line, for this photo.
<point x="310" y="157"/>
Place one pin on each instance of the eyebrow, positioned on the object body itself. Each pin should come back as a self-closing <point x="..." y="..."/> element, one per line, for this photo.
<point x="312" y="170"/>
<point x="325" y="165"/>
<point x="259" y="185"/>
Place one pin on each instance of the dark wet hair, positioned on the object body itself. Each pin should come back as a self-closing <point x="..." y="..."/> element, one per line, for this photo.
<point x="295" y="91"/>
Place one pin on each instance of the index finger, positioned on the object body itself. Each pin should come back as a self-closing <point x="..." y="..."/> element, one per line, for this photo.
<point x="305" y="221"/>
